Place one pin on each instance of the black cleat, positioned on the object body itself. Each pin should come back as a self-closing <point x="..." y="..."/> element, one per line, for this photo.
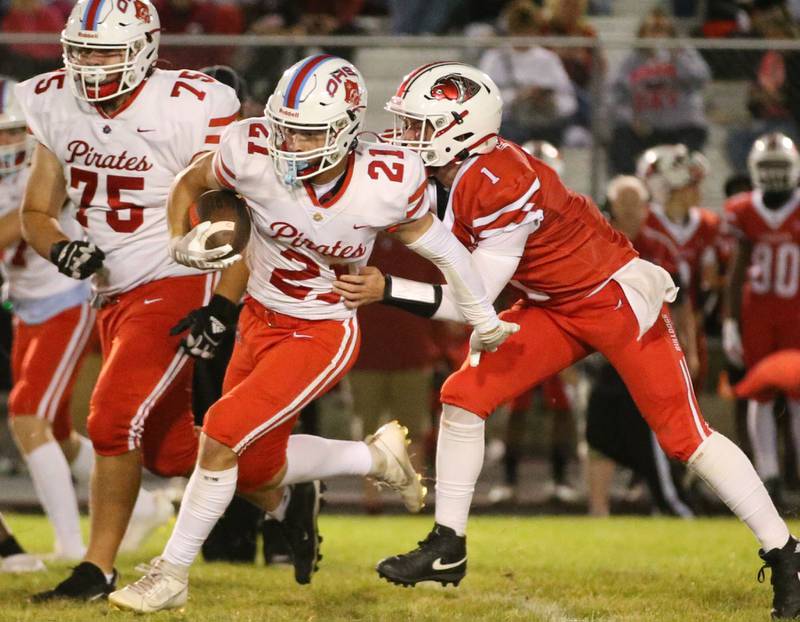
<point x="441" y="557"/>
<point x="275" y="545"/>
<point x="301" y="531"/>
<point x="87" y="582"/>
<point x="785" y="566"/>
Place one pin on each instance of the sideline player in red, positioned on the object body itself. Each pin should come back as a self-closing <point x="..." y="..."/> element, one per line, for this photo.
<point x="113" y="132"/>
<point x="583" y="289"/>
<point x="763" y="295"/>
<point x="673" y="177"/>
<point x="318" y="198"/>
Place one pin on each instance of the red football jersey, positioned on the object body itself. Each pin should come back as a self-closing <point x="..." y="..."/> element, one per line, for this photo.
<point x="774" y="272"/>
<point x="571" y="250"/>
<point x="658" y="248"/>
<point x="697" y="240"/>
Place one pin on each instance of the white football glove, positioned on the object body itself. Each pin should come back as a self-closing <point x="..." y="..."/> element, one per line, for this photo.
<point x="732" y="342"/>
<point x="190" y="249"/>
<point x="489" y="341"/>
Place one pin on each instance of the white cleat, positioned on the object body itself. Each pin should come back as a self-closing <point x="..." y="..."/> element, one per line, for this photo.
<point x="142" y="525"/>
<point x="165" y="586"/>
<point x="391" y="440"/>
<point x="21" y="562"/>
<point x="502" y="493"/>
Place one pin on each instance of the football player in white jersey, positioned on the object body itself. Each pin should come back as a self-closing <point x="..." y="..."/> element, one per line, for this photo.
<point x="318" y="198"/>
<point x="113" y="132"/>
<point x="52" y="325"/>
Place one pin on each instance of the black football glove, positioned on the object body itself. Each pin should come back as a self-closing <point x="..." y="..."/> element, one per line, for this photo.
<point x="207" y="326"/>
<point x="76" y="258"/>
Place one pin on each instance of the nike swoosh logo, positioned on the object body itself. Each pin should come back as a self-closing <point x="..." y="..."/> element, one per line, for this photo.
<point x="138" y="129"/>
<point x="149" y="301"/>
<point x="438" y="565"/>
<point x="619" y="305"/>
<point x="361" y="226"/>
<point x="299" y="336"/>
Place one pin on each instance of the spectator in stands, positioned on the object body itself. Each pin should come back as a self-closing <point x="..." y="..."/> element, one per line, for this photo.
<point x="423" y="17"/>
<point x="656" y="97"/>
<point x="31" y="58"/>
<point x="774" y="95"/>
<point x="198" y="17"/>
<point x="539" y="97"/>
<point x="568" y="18"/>
<point x="393" y="376"/>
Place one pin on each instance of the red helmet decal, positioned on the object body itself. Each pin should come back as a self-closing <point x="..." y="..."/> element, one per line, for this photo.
<point x="454" y="88"/>
<point x="351" y="93"/>
<point x="142" y="11"/>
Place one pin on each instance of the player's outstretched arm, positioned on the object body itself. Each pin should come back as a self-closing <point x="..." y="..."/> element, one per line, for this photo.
<point x="429" y="238"/>
<point x="45" y="194"/>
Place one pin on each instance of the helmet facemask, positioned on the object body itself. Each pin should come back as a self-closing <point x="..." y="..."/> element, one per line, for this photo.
<point x="296" y="166"/>
<point x="775" y="175"/>
<point x="425" y="127"/>
<point x="95" y="83"/>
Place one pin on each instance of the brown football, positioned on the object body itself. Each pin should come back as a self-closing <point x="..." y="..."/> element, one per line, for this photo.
<point x="223" y="206"/>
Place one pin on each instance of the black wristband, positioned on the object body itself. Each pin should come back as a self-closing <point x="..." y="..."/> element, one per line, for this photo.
<point x="55" y="250"/>
<point x="223" y="309"/>
<point x="417" y="307"/>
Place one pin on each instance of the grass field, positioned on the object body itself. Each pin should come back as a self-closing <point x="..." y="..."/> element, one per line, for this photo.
<point x="521" y="568"/>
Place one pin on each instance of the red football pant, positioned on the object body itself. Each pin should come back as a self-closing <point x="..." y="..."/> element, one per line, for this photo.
<point x="552" y="338"/>
<point x="45" y="359"/>
<point x="279" y="364"/>
<point x="142" y="398"/>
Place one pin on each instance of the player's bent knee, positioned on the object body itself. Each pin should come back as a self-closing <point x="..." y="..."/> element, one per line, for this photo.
<point x="22" y="400"/>
<point x="253" y="479"/>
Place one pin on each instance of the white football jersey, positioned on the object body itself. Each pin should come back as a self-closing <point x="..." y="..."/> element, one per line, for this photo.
<point x="298" y="243"/>
<point x="26" y="274"/>
<point x="119" y="168"/>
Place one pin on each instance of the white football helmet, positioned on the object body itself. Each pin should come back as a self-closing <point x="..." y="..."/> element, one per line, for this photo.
<point x="15" y="151"/>
<point x="130" y="28"/>
<point x="457" y="106"/>
<point x="774" y="163"/>
<point x="665" y="168"/>
<point x="321" y="93"/>
<point x="547" y="153"/>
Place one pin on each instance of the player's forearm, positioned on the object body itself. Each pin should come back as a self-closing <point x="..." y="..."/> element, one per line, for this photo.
<point x="10" y="229"/>
<point x="45" y="193"/>
<point x="188" y="185"/>
<point x="41" y="231"/>
<point x="233" y="283"/>
<point x="440" y="247"/>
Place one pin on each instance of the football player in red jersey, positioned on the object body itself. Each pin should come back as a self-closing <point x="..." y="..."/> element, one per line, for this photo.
<point x="763" y="295"/>
<point x="583" y="289"/>
<point x="673" y="175"/>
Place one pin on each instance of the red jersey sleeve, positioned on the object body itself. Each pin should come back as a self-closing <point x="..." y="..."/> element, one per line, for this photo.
<point x="734" y="208"/>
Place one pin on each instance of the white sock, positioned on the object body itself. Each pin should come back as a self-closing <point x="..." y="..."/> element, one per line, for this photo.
<point x="279" y="513"/>
<point x="207" y="495"/>
<point x="763" y="438"/>
<point x="459" y="460"/>
<point x="83" y="462"/>
<point x="51" y="479"/>
<point x="725" y="468"/>
<point x="309" y="458"/>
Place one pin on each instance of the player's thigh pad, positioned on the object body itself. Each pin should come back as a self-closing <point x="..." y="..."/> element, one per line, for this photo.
<point x="540" y="349"/>
<point x="142" y="364"/>
<point x="45" y="360"/>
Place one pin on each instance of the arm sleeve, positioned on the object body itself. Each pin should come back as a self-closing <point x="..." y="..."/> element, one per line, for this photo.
<point x="24" y="94"/>
<point x="441" y="247"/>
<point x="496" y="261"/>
